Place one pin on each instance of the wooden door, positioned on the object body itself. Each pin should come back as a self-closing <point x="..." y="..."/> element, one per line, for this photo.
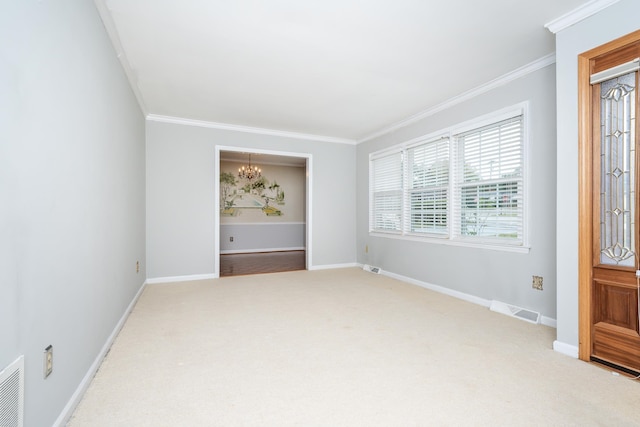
<point x="613" y="308"/>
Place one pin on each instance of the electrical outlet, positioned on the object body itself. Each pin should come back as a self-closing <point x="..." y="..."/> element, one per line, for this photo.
<point x="48" y="361"/>
<point x="231" y="239"/>
<point x="137" y="266"/>
<point x="537" y="283"/>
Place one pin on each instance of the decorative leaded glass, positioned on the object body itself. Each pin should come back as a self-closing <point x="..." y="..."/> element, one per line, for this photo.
<point x="618" y="164"/>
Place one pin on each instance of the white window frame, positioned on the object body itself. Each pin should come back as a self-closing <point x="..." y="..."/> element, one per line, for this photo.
<point x="411" y="190"/>
<point x="374" y="190"/>
<point x="453" y="236"/>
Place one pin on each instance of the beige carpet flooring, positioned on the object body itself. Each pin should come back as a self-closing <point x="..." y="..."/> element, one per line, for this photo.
<point x="340" y="348"/>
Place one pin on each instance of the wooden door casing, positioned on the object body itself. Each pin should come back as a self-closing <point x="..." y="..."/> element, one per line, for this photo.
<point x="608" y="294"/>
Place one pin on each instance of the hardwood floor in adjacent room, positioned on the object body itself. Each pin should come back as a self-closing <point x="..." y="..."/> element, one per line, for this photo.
<point x="262" y="262"/>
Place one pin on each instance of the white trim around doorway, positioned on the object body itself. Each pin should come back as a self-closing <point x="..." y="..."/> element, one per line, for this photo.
<point x="308" y="194"/>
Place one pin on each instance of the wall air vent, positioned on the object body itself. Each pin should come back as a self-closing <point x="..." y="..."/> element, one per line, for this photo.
<point x="513" y="311"/>
<point x="372" y="269"/>
<point x="12" y="394"/>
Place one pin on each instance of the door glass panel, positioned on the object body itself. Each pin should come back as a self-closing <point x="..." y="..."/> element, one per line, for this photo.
<point x="617" y="179"/>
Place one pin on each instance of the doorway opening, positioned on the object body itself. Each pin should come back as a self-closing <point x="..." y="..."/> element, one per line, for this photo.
<point x="262" y="218"/>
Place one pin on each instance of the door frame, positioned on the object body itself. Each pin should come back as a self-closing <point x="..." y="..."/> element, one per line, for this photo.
<point x="585" y="189"/>
<point x="308" y="196"/>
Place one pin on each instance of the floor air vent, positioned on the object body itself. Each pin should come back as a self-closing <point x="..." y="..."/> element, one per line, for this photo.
<point x="371" y="269"/>
<point x="513" y="311"/>
<point x="12" y="394"/>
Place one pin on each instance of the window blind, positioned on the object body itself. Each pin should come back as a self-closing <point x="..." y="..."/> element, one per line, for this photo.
<point x="428" y="188"/>
<point x="489" y="199"/>
<point x="386" y="194"/>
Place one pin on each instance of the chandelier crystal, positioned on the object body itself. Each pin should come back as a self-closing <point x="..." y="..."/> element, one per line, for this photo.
<point x="249" y="172"/>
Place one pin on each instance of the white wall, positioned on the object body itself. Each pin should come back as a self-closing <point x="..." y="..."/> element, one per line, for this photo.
<point x="249" y="228"/>
<point x="483" y="273"/>
<point x="292" y="182"/>
<point x="181" y="195"/>
<point x="609" y="24"/>
<point x="262" y="237"/>
<point x="71" y="195"/>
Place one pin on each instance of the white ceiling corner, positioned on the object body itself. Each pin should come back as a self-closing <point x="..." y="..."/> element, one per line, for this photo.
<point x="248" y="129"/>
<point x="578" y="14"/>
<point x="341" y="71"/>
<point x="110" y="27"/>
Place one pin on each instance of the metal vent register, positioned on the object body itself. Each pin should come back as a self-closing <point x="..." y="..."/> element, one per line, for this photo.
<point x="12" y="394"/>
<point x="513" y="311"/>
<point x="372" y="269"/>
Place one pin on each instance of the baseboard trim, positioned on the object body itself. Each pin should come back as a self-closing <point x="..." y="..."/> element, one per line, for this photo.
<point x="189" y="278"/>
<point x="566" y="349"/>
<point x="440" y="289"/>
<point x="549" y="321"/>
<point x="70" y="407"/>
<point x="255" y="251"/>
<point x="544" y="320"/>
<point x="332" y="266"/>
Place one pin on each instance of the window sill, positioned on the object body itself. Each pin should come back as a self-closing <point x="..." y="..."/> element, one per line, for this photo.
<point x="454" y="242"/>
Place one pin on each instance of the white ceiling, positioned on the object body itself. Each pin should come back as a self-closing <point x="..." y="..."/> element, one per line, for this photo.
<point x="342" y="69"/>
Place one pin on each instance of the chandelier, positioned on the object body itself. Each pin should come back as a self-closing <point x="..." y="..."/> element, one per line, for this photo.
<point x="249" y="172"/>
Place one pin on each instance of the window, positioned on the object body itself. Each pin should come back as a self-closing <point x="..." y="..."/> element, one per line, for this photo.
<point x="428" y="188"/>
<point x="464" y="186"/>
<point x="489" y="186"/>
<point x="386" y="200"/>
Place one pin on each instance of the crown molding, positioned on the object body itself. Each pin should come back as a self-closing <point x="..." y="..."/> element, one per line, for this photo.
<point x="500" y="81"/>
<point x="247" y="129"/>
<point x="110" y="27"/>
<point x="112" y="32"/>
<point x="578" y="14"/>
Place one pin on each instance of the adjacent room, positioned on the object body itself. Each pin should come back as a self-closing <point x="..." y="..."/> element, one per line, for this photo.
<point x="263" y="213"/>
<point x="319" y="213"/>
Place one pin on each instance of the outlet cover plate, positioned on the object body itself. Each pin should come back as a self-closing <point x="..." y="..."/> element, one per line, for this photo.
<point x="537" y="283"/>
<point x="48" y="361"/>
